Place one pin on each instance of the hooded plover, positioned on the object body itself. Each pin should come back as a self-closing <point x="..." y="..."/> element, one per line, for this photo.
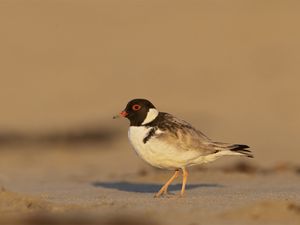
<point x="167" y="142"/>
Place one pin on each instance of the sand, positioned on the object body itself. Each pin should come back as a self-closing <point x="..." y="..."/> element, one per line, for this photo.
<point x="231" y="68"/>
<point x="97" y="187"/>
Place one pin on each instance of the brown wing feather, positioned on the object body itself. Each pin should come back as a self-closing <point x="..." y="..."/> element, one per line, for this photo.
<point x="184" y="136"/>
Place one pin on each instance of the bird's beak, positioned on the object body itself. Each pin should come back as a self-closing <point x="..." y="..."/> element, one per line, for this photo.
<point x="121" y="114"/>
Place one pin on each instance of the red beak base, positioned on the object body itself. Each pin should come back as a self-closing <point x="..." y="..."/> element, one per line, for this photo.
<point x="123" y="113"/>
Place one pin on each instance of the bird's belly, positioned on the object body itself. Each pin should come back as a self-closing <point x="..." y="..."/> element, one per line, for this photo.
<point x="158" y="153"/>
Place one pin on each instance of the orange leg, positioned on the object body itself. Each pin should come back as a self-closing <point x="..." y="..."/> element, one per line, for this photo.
<point x="164" y="188"/>
<point x="185" y="174"/>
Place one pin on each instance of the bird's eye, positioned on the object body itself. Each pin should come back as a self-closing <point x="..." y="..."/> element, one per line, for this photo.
<point x="136" y="107"/>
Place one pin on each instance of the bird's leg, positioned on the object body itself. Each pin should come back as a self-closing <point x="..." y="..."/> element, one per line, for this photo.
<point x="185" y="174"/>
<point x="176" y="174"/>
<point x="164" y="188"/>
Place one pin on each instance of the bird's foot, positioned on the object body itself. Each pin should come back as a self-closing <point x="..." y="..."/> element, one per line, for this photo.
<point x="181" y="195"/>
<point x="165" y="194"/>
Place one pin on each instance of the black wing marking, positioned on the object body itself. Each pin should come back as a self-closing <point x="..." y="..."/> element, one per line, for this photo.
<point x="149" y="135"/>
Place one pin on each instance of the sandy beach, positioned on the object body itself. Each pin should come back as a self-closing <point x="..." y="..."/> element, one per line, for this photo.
<point x="231" y="68"/>
<point x="63" y="186"/>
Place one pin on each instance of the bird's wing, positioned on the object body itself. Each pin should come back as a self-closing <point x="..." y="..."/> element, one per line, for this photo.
<point x="183" y="135"/>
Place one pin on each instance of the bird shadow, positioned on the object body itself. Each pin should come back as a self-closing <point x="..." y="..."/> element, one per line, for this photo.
<point x="148" y="188"/>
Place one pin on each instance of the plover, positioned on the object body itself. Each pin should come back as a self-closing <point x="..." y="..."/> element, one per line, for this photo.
<point x="166" y="142"/>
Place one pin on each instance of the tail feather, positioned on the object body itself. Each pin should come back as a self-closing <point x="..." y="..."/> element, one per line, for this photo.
<point x="239" y="148"/>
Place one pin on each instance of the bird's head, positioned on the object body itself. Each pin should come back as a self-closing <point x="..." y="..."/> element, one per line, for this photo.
<point x="139" y="112"/>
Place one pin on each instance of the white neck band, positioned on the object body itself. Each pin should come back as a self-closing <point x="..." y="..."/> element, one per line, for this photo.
<point x="151" y="115"/>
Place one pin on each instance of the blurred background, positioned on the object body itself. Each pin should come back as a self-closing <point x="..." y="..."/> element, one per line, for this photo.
<point x="231" y="68"/>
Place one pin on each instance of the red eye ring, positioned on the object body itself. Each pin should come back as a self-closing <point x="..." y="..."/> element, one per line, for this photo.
<point x="136" y="107"/>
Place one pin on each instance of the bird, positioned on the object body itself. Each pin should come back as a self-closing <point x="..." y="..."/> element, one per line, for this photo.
<point x="167" y="142"/>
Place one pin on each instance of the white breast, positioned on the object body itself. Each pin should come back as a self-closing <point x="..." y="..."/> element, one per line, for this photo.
<point x="157" y="152"/>
<point x="136" y="136"/>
